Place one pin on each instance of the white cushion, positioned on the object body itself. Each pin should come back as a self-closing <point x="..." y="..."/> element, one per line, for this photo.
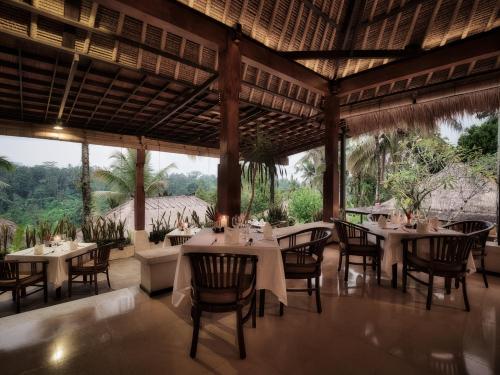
<point x="158" y="255"/>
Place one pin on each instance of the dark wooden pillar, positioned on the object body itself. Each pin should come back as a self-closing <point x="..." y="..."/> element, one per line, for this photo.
<point x="331" y="183"/>
<point x="139" y="196"/>
<point x="343" y="172"/>
<point x="498" y="178"/>
<point x="229" y="176"/>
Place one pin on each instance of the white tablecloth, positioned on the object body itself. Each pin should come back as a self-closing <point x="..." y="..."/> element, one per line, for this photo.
<point x="393" y="248"/>
<point x="57" y="269"/>
<point x="183" y="233"/>
<point x="270" y="272"/>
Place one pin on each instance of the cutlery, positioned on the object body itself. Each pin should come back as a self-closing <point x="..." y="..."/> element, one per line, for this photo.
<point x="214" y="241"/>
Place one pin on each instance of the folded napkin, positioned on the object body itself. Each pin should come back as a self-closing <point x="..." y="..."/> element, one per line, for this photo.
<point x="73" y="245"/>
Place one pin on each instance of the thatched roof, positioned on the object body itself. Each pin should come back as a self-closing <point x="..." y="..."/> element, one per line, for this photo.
<point x="9" y="223"/>
<point x="142" y="72"/>
<point x="156" y="207"/>
<point x="469" y="197"/>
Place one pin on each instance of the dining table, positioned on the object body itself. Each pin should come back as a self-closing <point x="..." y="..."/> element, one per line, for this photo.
<point x="56" y="255"/>
<point x="393" y="233"/>
<point x="270" y="270"/>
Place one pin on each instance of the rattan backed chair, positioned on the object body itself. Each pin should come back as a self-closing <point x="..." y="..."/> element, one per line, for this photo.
<point x="480" y="231"/>
<point x="223" y="283"/>
<point x="353" y="241"/>
<point x="178" y="240"/>
<point x="447" y="257"/>
<point x="16" y="277"/>
<point x="89" y="264"/>
<point x="302" y="260"/>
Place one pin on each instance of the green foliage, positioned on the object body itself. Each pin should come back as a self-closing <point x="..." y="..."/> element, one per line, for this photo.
<point x="413" y="176"/>
<point x="304" y="204"/>
<point x="481" y="137"/>
<point x="104" y="231"/>
<point x="65" y="227"/>
<point x="6" y="236"/>
<point x="18" y="240"/>
<point x="120" y="177"/>
<point x="160" y="227"/>
<point x="277" y="214"/>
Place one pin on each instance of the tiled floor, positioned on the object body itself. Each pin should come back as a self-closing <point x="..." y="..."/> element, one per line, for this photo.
<point x="364" y="329"/>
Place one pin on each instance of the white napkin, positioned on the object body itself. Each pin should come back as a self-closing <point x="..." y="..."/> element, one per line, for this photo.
<point x="73" y="245"/>
<point x="38" y="249"/>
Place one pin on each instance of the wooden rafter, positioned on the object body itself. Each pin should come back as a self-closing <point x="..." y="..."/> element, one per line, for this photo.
<point x="126" y="101"/>
<point x="471" y="49"/>
<point x="183" y="102"/>
<point x="80" y="88"/>
<point x="350" y="54"/>
<point x="52" y="81"/>
<point x="113" y="80"/>
<point x="20" y="67"/>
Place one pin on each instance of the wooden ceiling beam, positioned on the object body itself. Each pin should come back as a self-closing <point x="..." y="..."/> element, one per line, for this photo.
<point x="80" y="88"/>
<point x="46" y="131"/>
<point x="193" y="22"/>
<point x="349" y="54"/>
<point x="125" y="102"/>
<point x="20" y="68"/>
<point x="463" y="51"/>
<point x="113" y="80"/>
<point x="67" y="88"/>
<point x="52" y="81"/>
<point x="184" y="102"/>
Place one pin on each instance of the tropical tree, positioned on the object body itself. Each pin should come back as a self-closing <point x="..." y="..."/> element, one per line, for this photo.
<point x="6" y="165"/>
<point x="85" y="183"/>
<point x="259" y="162"/>
<point x="120" y="177"/>
<point x="311" y="166"/>
<point x="481" y="137"/>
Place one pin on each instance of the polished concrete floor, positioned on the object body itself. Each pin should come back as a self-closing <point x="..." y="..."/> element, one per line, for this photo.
<point x="364" y="329"/>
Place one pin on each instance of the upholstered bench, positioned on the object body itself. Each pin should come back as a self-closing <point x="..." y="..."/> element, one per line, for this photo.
<point x="158" y="269"/>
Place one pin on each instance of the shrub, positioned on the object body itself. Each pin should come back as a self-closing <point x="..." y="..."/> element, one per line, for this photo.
<point x="304" y="203"/>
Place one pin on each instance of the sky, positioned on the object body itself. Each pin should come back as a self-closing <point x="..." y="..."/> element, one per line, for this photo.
<point x="30" y="151"/>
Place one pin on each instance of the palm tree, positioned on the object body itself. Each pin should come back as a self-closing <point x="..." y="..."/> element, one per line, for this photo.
<point x="120" y="177"/>
<point x="85" y="182"/>
<point x="312" y="167"/>
<point x="5" y="165"/>
<point x="259" y="162"/>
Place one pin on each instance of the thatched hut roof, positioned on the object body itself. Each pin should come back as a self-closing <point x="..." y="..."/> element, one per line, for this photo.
<point x="155" y="207"/>
<point x="11" y="224"/>
<point x="470" y="197"/>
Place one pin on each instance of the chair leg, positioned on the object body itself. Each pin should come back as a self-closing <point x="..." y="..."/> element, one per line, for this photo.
<point x="318" y="297"/>
<point x="374" y="264"/>
<point x="196" y="315"/>
<point x="483" y="269"/>
<point x="239" y="328"/>
<point x="281" y="308"/>
<point x="107" y="276"/>
<point x="254" y="310"/>
<point x="457" y="283"/>
<point x="18" y="300"/>
<point x="70" y="284"/>
<point x="96" y="287"/>
<point x="14" y="295"/>
<point x="309" y="287"/>
<point x="447" y="285"/>
<point x="379" y="271"/>
<point x="364" y="264"/>
<point x="464" y="290"/>
<point x="405" y="276"/>
<point x="346" y="268"/>
<point x="84" y="279"/>
<point x="430" y="290"/>
<point x="45" y="291"/>
<point x="340" y="261"/>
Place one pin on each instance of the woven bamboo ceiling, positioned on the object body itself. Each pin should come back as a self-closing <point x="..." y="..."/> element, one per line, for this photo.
<point x="132" y="70"/>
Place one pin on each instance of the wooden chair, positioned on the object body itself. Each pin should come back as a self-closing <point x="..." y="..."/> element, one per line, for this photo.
<point x="302" y="260"/>
<point x="353" y="241"/>
<point x="479" y="230"/>
<point x="89" y="264"/>
<point x="178" y="240"/>
<point x="14" y="278"/>
<point x="222" y="283"/>
<point x="447" y="257"/>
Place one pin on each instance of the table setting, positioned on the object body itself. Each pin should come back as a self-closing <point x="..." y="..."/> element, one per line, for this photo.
<point x="397" y="227"/>
<point x="241" y="239"/>
<point x="55" y="252"/>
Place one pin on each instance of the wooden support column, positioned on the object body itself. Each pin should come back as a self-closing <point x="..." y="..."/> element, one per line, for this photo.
<point x="139" y="196"/>
<point x="331" y="182"/>
<point x="343" y="172"/>
<point x="228" y="181"/>
<point x="498" y="178"/>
